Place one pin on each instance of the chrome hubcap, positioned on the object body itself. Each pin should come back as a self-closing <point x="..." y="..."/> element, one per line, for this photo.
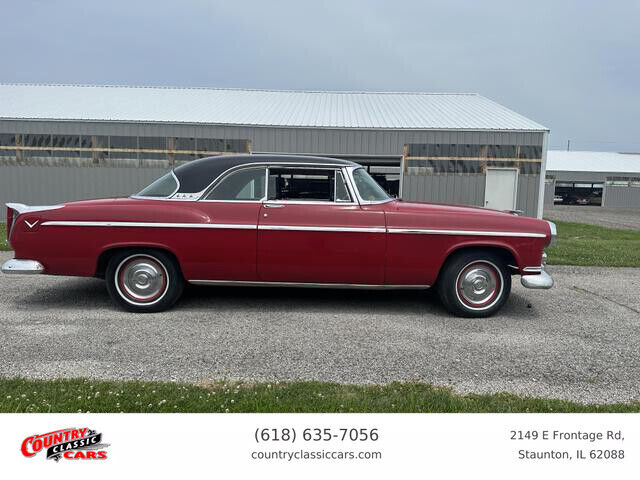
<point x="477" y="284"/>
<point x="142" y="279"/>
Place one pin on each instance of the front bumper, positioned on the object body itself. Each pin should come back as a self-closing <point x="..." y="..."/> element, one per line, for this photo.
<point x="26" y="267"/>
<point x="542" y="281"/>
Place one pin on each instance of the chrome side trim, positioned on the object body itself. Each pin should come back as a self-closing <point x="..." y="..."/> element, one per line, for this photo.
<point x="71" y="223"/>
<point x="22" y="208"/>
<point x="77" y="223"/>
<point x="305" y="202"/>
<point x="17" y="266"/>
<point x="478" y="233"/>
<point x="233" y="283"/>
<point x="322" y="229"/>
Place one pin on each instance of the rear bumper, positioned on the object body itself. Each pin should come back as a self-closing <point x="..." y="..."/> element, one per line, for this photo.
<point x="25" y="267"/>
<point x="542" y="281"/>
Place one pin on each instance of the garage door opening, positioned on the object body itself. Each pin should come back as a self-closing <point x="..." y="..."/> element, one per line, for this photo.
<point x="578" y="193"/>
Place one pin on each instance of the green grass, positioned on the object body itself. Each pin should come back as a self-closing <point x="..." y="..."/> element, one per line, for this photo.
<point x="590" y="245"/>
<point x="4" y="245"/>
<point x="19" y="395"/>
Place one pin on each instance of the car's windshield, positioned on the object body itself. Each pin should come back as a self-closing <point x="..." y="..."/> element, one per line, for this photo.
<point x="368" y="188"/>
<point x="163" y="187"/>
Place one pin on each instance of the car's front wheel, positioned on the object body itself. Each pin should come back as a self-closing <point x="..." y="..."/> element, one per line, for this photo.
<point x="474" y="283"/>
<point x="144" y="280"/>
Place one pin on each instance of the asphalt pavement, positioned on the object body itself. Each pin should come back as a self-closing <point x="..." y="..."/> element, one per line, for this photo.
<point x="578" y="341"/>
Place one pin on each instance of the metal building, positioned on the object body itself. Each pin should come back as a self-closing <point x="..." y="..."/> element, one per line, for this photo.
<point x="608" y="179"/>
<point x="65" y="142"/>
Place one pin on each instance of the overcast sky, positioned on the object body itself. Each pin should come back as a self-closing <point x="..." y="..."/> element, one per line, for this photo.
<point x="573" y="66"/>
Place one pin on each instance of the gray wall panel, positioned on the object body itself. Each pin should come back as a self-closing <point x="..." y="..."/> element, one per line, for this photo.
<point x="50" y="185"/>
<point x="549" y="193"/>
<point x="621" y="197"/>
<point x="528" y="190"/>
<point x="445" y="189"/>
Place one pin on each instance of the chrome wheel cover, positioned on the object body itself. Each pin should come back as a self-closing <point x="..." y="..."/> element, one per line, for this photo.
<point x="141" y="279"/>
<point x="479" y="285"/>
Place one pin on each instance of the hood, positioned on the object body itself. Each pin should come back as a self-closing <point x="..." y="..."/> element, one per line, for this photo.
<point x="455" y="217"/>
<point x="402" y="206"/>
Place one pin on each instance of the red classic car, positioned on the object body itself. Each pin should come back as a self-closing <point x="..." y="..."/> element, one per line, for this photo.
<point x="279" y="221"/>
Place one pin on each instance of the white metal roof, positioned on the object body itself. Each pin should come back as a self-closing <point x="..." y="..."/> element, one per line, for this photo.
<point x="366" y="110"/>
<point x="558" y="160"/>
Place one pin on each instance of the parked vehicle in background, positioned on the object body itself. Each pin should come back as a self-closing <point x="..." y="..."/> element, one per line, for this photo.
<point x="265" y="220"/>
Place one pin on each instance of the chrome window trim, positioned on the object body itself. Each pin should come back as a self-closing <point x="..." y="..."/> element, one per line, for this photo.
<point x="242" y="283"/>
<point x="313" y="202"/>
<point x="304" y="228"/>
<point x="362" y="201"/>
<point x="168" y="197"/>
<point x="479" y="233"/>
<point x="267" y="165"/>
<point x="221" y="178"/>
<point x="74" y="223"/>
<point x="335" y="187"/>
<point x="199" y="196"/>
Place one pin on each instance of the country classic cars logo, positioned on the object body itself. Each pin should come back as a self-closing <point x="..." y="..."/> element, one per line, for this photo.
<point x="70" y="443"/>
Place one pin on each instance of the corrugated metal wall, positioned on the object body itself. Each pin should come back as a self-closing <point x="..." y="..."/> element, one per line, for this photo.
<point x="621" y="197"/>
<point x="292" y="140"/>
<point x="466" y="190"/>
<point x="528" y="192"/>
<point x="68" y="184"/>
<point x="50" y="185"/>
<point x="549" y="192"/>
<point x="461" y="189"/>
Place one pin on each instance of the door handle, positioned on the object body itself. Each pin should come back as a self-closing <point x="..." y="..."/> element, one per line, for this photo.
<point x="273" y="205"/>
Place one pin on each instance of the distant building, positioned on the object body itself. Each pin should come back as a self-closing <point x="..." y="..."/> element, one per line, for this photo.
<point x="608" y="179"/>
<point x="65" y="142"/>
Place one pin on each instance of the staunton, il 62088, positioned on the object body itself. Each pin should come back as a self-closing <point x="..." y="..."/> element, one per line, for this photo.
<point x="266" y="220"/>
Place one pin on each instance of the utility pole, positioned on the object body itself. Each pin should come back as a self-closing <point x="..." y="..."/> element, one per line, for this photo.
<point x="568" y="145"/>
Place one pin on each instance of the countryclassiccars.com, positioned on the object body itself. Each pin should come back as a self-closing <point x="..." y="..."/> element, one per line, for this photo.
<point x="70" y="443"/>
<point x="266" y="220"/>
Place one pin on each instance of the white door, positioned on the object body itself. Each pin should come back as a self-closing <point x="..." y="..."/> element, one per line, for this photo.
<point x="501" y="188"/>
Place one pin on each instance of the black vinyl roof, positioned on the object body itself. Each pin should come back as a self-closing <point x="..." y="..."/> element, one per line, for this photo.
<point x="196" y="175"/>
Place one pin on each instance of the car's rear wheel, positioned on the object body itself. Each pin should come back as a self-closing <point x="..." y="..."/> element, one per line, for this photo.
<point x="474" y="283"/>
<point x="144" y="280"/>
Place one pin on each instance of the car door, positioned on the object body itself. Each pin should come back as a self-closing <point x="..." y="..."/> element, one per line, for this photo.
<point x="312" y="230"/>
<point x="227" y="250"/>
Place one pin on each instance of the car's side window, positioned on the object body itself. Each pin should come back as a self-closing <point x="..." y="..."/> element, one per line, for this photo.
<point x="244" y="185"/>
<point x="341" y="190"/>
<point x="307" y="184"/>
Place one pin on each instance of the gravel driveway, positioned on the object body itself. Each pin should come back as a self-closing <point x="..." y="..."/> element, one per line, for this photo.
<point x="578" y="341"/>
<point x="625" y="218"/>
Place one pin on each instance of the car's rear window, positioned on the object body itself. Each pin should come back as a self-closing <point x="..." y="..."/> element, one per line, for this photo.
<point x="163" y="187"/>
